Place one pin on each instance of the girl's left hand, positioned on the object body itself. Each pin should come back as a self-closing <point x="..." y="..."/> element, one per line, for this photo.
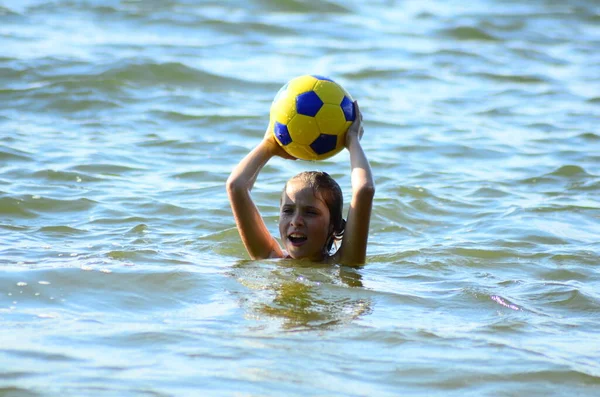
<point x="356" y="130"/>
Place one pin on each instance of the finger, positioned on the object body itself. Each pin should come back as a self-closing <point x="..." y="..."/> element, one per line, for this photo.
<point x="358" y="113"/>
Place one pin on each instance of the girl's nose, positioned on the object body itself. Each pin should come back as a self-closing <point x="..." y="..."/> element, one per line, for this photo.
<point x="297" y="219"/>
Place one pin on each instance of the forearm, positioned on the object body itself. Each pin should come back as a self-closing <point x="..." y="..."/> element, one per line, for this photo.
<point x="253" y="231"/>
<point x="361" y="175"/>
<point x="245" y="173"/>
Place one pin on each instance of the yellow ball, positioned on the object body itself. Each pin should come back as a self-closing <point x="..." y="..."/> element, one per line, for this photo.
<point x="310" y="116"/>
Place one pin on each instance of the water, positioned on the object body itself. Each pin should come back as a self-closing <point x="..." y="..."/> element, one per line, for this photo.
<point x="123" y="273"/>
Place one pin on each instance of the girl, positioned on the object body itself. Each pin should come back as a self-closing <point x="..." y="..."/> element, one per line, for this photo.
<point x="310" y="208"/>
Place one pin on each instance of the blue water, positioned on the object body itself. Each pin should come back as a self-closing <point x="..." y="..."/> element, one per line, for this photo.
<point x="122" y="273"/>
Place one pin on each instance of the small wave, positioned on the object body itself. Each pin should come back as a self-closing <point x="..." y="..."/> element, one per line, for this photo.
<point x="542" y="57"/>
<point x="207" y="116"/>
<point x="563" y="172"/>
<point x="521" y="79"/>
<point x="589" y="137"/>
<point x="569" y="171"/>
<point x="166" y="144"/>
<point x="8" y="154"/>
<point x="176" y="116"/>
<point x="132" y="254"/>
<point x="80" y="105"/>
<point x="377" y="73"/>
<point x="317" y="7"/>
<point x="10" y="75"/>
<point x="193" y="175"/>
<point x="569" y="296"/>
<point x="171" y="73"/>
<point x="543" y="127"/>
<point x="468" y="33"/>
<point x="120" y="220"/>
<point x="503" y="111"/>
<point x="7" y="12"/>
<point x="15" y="390"/>
<point x="83" y="83"/>
<point x="111" y="169"/>
<point x="13" y="207"/>
<point x="40" y="355"/>
<point x="45" y="204"/>
<point x="452" y="53"/>
<point x="565" y="274"/>
<point x="63" y="176"/>
<point x="62" y="230"/>
<point x="138" y="229"/>
<point x="489" y="192"/>
<point x="563" y="208"/>
<point x="484" y="253"/>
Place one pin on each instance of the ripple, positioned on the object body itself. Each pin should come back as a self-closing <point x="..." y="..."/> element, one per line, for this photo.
<point x="5" y="11"/>
<point x="565" y="274"/>
<point x="468" y="33"/>
<point x="570" y="171"/>
<point x="13" y="207"/>
<point x="563" y="173"/>
<point x="64" y="176"/>
<point x="589" y="137"/>
<point x="485" y="253"/>
<point x="172" y="73"/>
<point x="138" y="229"/>
<point x="107" y="168"/>
<point x="62" y="231"/>
<point x="566" y="296"/>
<point x="372" y="73"/>
<point x="40" y="355"/>
<point x="299" y="6"/>
<point x="507" y="78"/>
<point x="79" y="105"/>
<point x="50" y="205"/>
<point x="8" y="154"/>
<point x="490" y="193"/>
<point x="117" y="219"/>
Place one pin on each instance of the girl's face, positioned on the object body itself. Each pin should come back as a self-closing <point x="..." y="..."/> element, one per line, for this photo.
<point x="303" y="221"/>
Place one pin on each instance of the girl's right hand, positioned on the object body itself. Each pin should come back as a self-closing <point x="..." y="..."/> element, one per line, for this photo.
<point x="274" y="147"/>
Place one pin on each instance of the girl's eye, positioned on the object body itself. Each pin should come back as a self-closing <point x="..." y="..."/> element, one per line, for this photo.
<point x="286" y="211"/>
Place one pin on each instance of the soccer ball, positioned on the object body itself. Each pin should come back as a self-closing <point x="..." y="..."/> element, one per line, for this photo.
<point x="310" y="116"/>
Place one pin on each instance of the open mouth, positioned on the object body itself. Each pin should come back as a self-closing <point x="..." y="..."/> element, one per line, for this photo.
<point x="297" y="238"/>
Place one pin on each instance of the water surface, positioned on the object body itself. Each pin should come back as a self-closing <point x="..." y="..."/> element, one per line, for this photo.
<point x="122" y="272"/>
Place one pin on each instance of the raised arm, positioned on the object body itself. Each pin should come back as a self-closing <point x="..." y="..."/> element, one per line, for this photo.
<point x="251" y="226"/>
<point x="354" y="243"/>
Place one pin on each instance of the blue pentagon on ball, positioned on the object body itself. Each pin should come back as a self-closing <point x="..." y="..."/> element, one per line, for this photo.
<point x="324" y="143"/>
<point x="308" y="103"/>
<point x="318" y="76"/>
<point x="348" y="108"/>
<point x="282" y="133"/>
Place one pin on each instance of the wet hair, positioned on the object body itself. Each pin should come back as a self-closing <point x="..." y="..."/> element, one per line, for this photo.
<point x="327" y="188"/>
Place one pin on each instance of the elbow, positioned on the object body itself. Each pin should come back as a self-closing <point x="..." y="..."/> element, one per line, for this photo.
<point x="366" y="191"/>
<point x="233" y="185"/>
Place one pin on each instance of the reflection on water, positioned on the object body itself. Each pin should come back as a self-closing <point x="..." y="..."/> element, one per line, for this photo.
<point x="302" y="295"/>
